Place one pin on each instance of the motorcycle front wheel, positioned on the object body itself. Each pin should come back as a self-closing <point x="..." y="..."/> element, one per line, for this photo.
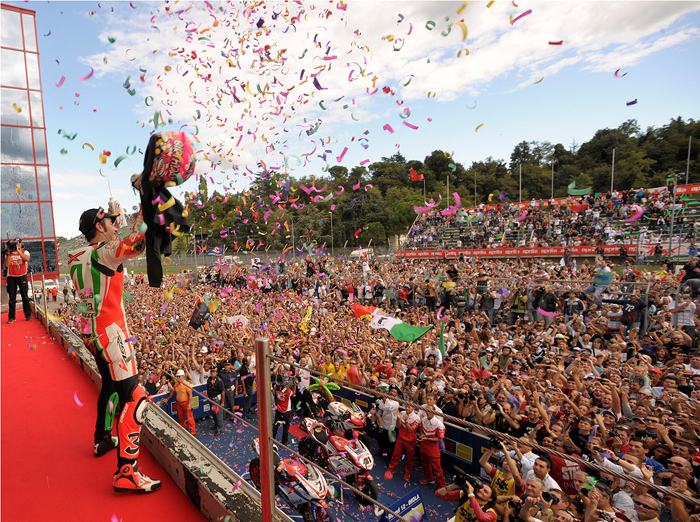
<point x="316" y="513"/>
<point x="369" y="488"/>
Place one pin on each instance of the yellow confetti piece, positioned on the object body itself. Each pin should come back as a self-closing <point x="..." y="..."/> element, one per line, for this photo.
<point x="19" y="188"/>
<point x="17" y="108"/>
<point x="464" y="5"/>
<point x="466" y="52"/>
<point x="478" y="127"/>
<point x="168" y="295"/>
<point x="464" y="29"/>
<point x="86" y="144"/>
<point x="103" y="159"/>
<point x="491" y="3"/>
<point x="539" y="81"/>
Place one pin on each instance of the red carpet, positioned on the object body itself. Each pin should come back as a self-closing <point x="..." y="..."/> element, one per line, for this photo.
<point x="48" y="470"/>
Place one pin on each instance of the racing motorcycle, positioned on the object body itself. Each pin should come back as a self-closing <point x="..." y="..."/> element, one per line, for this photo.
<point x="346" y="421"/>
<point x="301" y="487"/>
<point x="350" y="459"/>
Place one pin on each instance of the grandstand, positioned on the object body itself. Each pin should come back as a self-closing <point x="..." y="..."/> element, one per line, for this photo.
<point x="573" y="222"/>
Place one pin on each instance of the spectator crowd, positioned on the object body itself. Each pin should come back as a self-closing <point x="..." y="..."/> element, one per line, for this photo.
<point x="573" y="221"/>
<point x="600" y="363"/>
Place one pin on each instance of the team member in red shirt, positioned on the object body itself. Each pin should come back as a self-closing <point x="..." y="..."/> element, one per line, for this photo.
<point x="283" y="408"/>
<point x="432" y="431"/>
<point x="15" y="259"/>
<point x="408" y="423"/>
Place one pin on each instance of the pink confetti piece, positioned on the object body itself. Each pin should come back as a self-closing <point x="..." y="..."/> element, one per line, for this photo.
<point x="529" y="11"/>
<point x="410" y="125"/>
<point x="89" y="75"/>
<point x="77" y="401"/>
<point x="342" y="155"/>
<point x="389" y="128"/>
<point x="60" y="82"/>
<point x="548" y="314"/>
<point x="115" y="519"/>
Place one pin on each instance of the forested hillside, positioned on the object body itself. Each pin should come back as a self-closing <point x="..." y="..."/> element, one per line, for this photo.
<point x="377" y="201"/>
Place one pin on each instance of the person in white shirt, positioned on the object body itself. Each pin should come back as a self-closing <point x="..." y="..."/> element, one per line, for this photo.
<point x="541" y="469"/>
<point x="388" y="410"/>
<point x="433" y="350"/>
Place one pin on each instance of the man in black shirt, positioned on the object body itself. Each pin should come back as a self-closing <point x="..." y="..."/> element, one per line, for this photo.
<point x="215" y="391"/>
<point x="447" y="404"/>
<point x="247" y="379"/>
<point x="230" y="379"/>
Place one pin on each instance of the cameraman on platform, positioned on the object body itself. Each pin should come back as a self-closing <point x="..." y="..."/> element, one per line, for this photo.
<point x="15" y="258"/>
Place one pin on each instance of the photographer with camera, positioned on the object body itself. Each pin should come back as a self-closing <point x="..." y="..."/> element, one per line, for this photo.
<point x="507" y="482"/>
<point x="600" y="505"/>
<point x="476" y="499"/>
<point x="15" y="259"/>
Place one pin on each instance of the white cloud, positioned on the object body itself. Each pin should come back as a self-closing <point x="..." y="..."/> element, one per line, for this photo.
<point x="199" y="46"/>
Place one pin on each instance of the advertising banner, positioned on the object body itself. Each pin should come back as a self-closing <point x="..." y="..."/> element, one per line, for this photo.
<point x="410" y="507"/>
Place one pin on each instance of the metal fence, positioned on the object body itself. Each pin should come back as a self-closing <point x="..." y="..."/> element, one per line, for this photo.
<point x="191" y="260"/>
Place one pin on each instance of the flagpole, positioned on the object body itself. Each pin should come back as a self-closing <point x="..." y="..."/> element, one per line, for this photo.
<point x="552" y="180"/>
<point x="424" y="183"/>
<point x="687" y="163"/>
<point x="612" y="177"/>
<point x="448" y="191"/>
<point x="520" y="168"/>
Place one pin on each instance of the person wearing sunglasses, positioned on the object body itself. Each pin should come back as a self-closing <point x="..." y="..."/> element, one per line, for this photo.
<point x="648" y="508"/>
<point x="98" y="275"/>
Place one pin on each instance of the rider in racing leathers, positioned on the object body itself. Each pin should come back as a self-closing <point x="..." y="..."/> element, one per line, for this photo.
<point x="98" y="275"/>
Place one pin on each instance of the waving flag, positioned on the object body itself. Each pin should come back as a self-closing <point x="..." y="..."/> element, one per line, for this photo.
<point x="397" y="328"/>
<point x="415" y="176"/>
<point x="360" y="310"/>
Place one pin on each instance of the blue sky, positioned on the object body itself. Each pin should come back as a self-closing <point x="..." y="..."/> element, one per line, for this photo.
<point x="655" y="43"/>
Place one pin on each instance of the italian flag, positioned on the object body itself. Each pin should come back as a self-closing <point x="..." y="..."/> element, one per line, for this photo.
<point x="396" y="327"/>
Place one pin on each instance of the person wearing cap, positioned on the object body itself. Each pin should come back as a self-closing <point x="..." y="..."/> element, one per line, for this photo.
<point x="215" y="392"/>
<point x="248" y="381"/>
<point x="15" y="260"/>
<point x="183" y="401"/>
<point x="97" y="272"/>
<point x="230" y="380"/>
<point x="684" y="316"/>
